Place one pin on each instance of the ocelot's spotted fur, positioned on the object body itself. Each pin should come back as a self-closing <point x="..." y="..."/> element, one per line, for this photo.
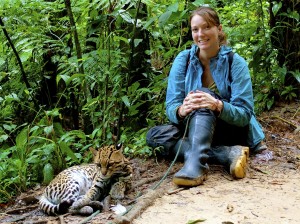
<point x="79" y="189"/>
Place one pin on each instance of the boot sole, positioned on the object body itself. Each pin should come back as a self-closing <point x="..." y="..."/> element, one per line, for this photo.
<point x="189" y="182"/>
<point x="238" y="168"/>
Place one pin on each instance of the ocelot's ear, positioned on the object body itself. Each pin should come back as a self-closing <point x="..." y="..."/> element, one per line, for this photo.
<point x="119" y="146"/>
<point x="93" y="151"/>
<point x="96" y="154"/>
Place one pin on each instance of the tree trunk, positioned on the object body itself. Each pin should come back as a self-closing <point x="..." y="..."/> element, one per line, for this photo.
<point x="137" y="67"/>
<point x="87" y="93"/>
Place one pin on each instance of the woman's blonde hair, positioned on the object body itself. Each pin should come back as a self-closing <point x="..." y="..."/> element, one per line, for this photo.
<point x="212" y="18"/>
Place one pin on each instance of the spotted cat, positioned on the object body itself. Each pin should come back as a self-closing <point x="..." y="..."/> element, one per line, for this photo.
<point x="79" y="189"/>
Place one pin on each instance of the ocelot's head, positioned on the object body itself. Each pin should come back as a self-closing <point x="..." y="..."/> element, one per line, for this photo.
<point x="111" y="160"/>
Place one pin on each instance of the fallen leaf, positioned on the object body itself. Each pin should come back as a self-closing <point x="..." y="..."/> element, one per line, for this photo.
<point x="195" y="221"/>
<point x="118" y="209"/>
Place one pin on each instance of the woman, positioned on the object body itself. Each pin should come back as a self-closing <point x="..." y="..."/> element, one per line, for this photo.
<point x="213" y="97"/>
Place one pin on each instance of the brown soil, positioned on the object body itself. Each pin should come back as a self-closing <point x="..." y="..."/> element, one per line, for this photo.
<point x="269" y="194"/>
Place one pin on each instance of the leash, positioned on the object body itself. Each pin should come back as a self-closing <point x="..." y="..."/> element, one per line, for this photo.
<point x="175" y="158"/>
<point x="169" y="169"/>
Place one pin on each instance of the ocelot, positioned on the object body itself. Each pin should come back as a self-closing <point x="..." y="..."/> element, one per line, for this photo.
<point x="80" y="189"/>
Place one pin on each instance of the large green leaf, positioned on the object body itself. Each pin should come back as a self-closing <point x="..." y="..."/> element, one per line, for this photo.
<point x="276" y="7"/>
<point x="48" y="173"/>
<point x="22" y="138"/>
<point x="164" y="18"/>
<point x="68" y="79"/>
<point x="67" y="151"/>
<point x="126" y="101"/>
<point x="48" y="130"/>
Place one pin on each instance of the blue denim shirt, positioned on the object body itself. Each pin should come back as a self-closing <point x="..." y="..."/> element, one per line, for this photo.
<point x="235" y="88"/>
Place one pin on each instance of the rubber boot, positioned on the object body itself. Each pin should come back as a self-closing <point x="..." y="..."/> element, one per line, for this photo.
<point x="233" y="158"/>
<point x="183" y="146"/>
<point x="258" y="149"/>
<point x="195" y="168"/>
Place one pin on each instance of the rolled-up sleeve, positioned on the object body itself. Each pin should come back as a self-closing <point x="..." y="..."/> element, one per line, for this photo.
<point x="176" y="85"/>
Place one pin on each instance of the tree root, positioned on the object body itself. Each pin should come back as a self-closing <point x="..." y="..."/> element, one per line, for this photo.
<point x="90" y="217"/>
<point x="142" y="204"/>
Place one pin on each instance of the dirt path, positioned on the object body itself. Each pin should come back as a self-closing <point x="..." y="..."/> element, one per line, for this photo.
<point x="269" y="194"/>
<point x="271" y="198"/>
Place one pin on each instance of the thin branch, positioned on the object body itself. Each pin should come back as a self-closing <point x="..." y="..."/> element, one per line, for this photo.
<point x="148" y="180"/>
<point x="285" y="121"/>
<point x="16" y="54"/>
<point x="90" y="217"/>
<point x="296" y="113"/>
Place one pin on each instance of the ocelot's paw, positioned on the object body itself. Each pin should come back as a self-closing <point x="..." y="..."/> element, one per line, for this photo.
<point x="85" y="210"/>
<point x="96" y="205"/>
<point x="78" y="204"/>
<point x="118" y="190"/>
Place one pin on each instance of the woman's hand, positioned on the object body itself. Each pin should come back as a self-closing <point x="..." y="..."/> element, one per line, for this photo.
<point x="201" y="99"/>
<point x="186" y="108"/>
<point x="197" y="100"/>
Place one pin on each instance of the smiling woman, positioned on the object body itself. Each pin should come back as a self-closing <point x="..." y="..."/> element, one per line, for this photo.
<point x="206" y="35"/>
<point x="211" y="98"/>
<point x="212" y="19"/>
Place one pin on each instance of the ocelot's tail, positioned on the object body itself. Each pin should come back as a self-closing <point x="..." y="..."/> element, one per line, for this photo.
<point x="54" y="209"/>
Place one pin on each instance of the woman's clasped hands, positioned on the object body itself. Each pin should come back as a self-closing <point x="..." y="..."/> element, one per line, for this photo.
<point x="196" y="100"/>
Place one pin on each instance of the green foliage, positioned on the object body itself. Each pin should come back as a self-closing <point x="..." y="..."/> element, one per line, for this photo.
<point x="246" y="24"/>
<point x="136" y="144"/>
<point x="40" y="150"/>
<point x="51" y="125"/>
<point x="48" y="173"/>
<point x="289" y="93"/>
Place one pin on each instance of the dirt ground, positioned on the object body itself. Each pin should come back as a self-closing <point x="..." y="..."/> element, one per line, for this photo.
<point x="270" y="193"/>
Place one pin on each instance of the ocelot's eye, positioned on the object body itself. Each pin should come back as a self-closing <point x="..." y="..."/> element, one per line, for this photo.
<point x="119" y="145"/>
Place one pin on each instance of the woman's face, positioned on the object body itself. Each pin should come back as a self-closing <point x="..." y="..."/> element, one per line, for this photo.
<point x="205" y="36"/>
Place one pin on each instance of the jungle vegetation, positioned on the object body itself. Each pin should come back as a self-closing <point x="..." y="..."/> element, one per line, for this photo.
<point x="88" y="73"/>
